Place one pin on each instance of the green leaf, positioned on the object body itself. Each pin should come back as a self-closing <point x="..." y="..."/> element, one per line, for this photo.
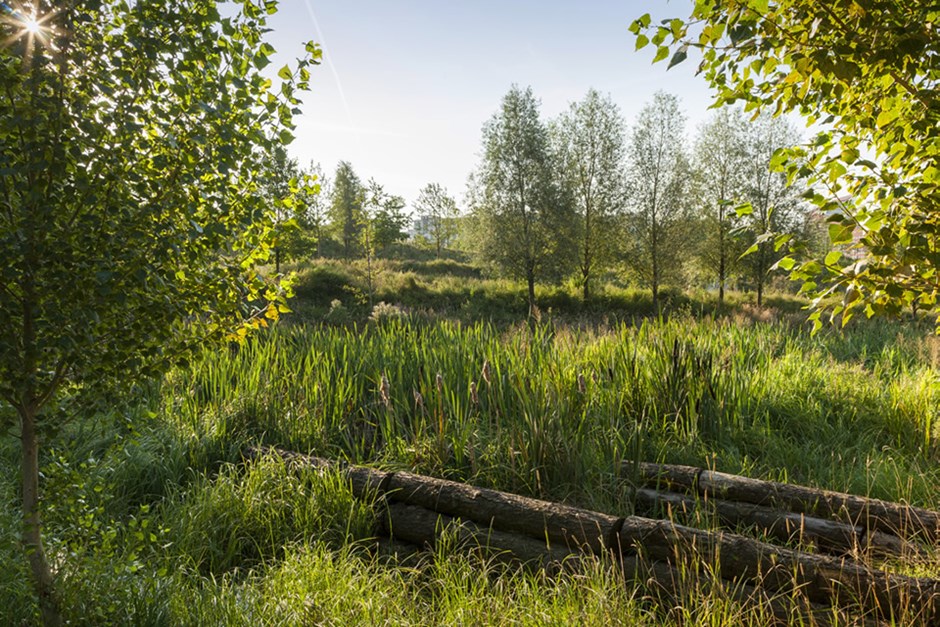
<point x="285" y="73"/>
<point x="678" y="57"/>
<point x="641" y="41"/>
<point x="833" y="257"/>
<point x="661" y="53"/>
<point x="841" y="233"/>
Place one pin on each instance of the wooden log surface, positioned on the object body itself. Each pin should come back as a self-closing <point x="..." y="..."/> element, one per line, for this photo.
<point x="822" y="579"/>
<point x="662" y="579"/>
<point x="561" y="525"/>
<point x="423" y="527"/>
<point x="893" y="518"/>
<point x="528" y="528"/>
<point x="828" y="535"/>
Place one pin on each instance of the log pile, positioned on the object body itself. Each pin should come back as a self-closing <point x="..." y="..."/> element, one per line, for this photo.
<point x="417" y="510"/>
<point x="831" y="521"/>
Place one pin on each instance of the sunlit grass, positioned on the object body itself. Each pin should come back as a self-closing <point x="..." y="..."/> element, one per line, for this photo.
<point x="547" y="411"/>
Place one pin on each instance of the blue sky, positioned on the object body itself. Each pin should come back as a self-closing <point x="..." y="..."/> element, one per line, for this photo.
<point x="406" y="85"/>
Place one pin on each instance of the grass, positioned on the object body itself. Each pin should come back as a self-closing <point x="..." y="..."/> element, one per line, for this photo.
<point x="155" y="519"/>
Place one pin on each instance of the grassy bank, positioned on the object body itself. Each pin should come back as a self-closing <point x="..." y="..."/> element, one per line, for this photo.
<point x="156" y="521"/>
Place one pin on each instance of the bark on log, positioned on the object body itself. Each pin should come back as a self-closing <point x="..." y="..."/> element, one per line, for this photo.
<point x="664" y="580"/>
<point x="822" y="579"/>
<point x="562" y="525"/>
<point x="893" y="518"/>
<point x="828" y="535"/>
<point x="423" y="527"/>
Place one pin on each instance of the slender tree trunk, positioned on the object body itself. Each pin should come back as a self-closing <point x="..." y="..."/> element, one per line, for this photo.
<point x="530" y="279"/>
<point x="277" y="259"/>
<point x="32" y="528"/>
<point x="721" y="251"/>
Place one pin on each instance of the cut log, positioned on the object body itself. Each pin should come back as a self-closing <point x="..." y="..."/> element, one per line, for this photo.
<point x="561" y="525"/>
<point x="896" y="519"/>
<point x="423" y="527"/>
<point x="664" y="580"/>
<point x="828" y="535"/>
<point x="822" y="579"/>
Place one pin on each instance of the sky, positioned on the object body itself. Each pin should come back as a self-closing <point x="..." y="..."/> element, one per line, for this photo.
<point x="405" y="86"/>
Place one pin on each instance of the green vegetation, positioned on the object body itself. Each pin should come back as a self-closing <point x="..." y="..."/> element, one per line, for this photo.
<point x="864" y="71"/>
<point x="164" y="523"/>
<point x="145" y="183"/>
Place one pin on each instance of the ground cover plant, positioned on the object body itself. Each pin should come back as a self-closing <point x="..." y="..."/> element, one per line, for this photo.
<point x="163" y="522"/>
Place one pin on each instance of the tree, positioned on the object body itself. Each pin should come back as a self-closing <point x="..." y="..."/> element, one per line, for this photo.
<point x="590" y="141"/>
<point x="867" y="73"/>
<point x="313" y="204"/>
<point x="719" y="167"/>
<point x="658" y="178"/>
<point x="391" y="222"/>
<point x="381" y="223"/>
<point x="772" y="212"/>
<point x="346" y="207"/>
<point x="131" y="138"/>
<point x="524" y="216"/>
<point x="437" y="216"/>
<point x="280" y="188"/>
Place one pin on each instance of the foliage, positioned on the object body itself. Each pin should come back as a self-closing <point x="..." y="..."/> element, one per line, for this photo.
<point x="131" y="143"/>
<point x="867" y="73"/>
<point x="311" y="212"/>
<point x="773" y="212"/>
<point x="719" y="167"/>
<point x="659" y="174"/>
<point x="281" y="182"/>
<point x="346" y="207"/>
<point x="437" y="216"/>
<point x="523" y="215"/>
<point x="590" y="144"/>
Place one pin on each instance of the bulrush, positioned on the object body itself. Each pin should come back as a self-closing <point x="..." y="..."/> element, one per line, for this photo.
<point x="384" y="389"/>
<point x="419" y="400"/>
<point x="485" y="373"/>
<point x="474" y="398"/>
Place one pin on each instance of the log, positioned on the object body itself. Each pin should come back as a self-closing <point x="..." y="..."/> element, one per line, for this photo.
<point x="562" y="525"/>
<point x="896" y="519"/>
<point x="423" y="527"/>
<point x="827" y="535"/>
<point x="663" y="580"/>
<point x="822" y="579"/>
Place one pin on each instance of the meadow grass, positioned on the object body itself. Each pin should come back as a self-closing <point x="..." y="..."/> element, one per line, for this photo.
<point x="155" y="518"/>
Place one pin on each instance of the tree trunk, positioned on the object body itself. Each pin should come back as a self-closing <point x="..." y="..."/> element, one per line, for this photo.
<point x="32" y="527"/>
<point x="530" y="279"/>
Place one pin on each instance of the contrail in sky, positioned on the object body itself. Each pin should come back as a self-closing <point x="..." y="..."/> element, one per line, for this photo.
<point x="329" y="61"/>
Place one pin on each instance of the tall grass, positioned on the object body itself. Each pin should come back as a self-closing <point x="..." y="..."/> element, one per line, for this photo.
<point x="557" y="407"/>
<point x="158" y="521"/>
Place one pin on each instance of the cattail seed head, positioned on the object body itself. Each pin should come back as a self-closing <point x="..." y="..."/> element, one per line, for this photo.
<point x="582" y="385"/>
<point x="485" y="374"/>
<point x="439" y="382"/>
<point x="419" y="400"/>
<point x="474" y="398"/>
<point x="384" y="390"/>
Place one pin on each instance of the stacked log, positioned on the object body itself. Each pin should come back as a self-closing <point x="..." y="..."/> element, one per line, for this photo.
<point x="418" y="509"/>
<point x="871" y="515"/>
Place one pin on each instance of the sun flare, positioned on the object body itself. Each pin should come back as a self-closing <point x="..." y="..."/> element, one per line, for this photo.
<point x="32" y="26"/>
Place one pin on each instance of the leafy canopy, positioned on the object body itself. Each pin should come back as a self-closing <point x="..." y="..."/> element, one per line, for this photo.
<point x="866" y="72"/>
<point x="132" y="138"/>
